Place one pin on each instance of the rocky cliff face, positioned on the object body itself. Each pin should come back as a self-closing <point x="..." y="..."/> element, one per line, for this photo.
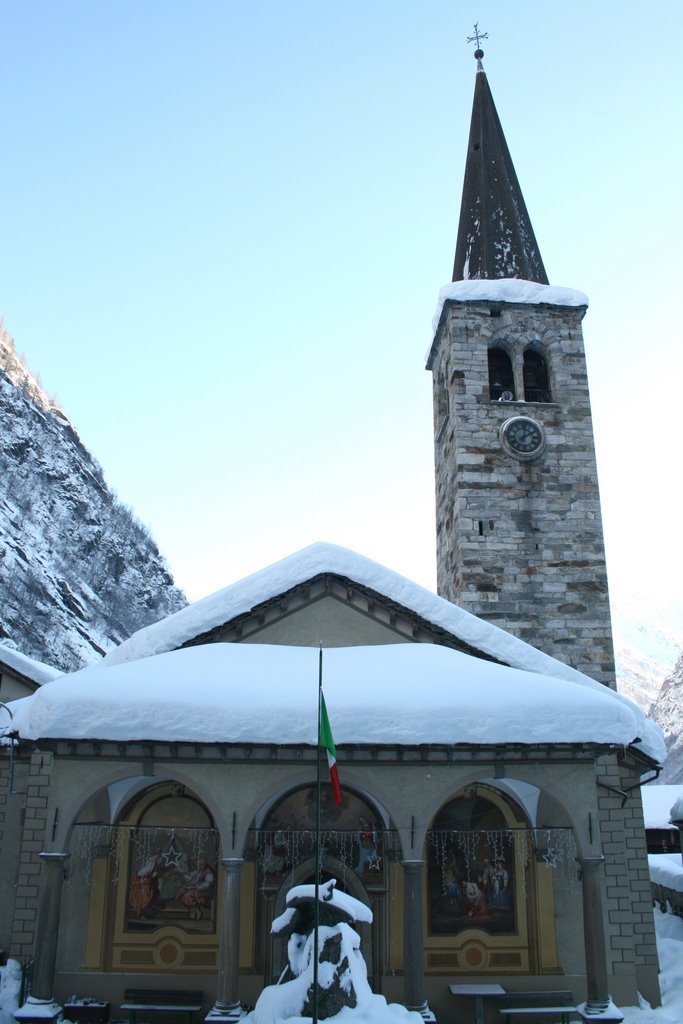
<point x="78" y="572"/>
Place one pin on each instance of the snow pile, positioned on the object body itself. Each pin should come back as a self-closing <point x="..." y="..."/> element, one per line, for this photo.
<point x="340" y="965"/>
<point x="666" y="869"/>
<point x="676" y="811"/>
<point x="507" y="290"/>
<point x="10" y="985"/>
<point x="285" y="1002"/>
<point x="328" y="894"/>
<point x="394" y="694"/>
<point x="669" y="929"/>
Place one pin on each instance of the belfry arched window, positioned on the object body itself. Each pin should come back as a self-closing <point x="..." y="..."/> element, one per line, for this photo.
<point x="535" y="374"/>
<point x="501" y="375"/>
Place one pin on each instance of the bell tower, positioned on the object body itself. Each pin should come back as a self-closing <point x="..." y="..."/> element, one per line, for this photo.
<point x="519" y="528"/>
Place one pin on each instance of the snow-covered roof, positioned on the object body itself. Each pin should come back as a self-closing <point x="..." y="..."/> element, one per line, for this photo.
<point x="394" y="694"/>
<point x="216" y="609"/>
<point x="507" y="290"/>
<point x="666" y="869"/>
<point x="37" y="671"/>
<point x="658" y="802"/>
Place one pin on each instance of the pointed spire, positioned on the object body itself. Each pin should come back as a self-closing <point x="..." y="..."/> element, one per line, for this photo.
<point x="495" y="236"/>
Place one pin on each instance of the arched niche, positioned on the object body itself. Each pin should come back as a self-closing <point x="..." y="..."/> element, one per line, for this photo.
<point x="490" y="907"/>
<point x="356" y="848"/>
<point x="146" y="884"/>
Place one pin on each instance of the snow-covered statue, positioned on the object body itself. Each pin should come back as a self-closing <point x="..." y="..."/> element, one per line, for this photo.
<point x="342" y="975"/>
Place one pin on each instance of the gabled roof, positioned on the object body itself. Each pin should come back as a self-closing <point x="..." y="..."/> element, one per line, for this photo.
<point x="495" y="236"/>
<point x="460" y="628"/>
<point x="25" y="669"/>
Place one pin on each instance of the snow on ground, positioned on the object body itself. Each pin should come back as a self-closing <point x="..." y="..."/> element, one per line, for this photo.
<point x="385" y="694"/>
<point x="10" y="984"/>
<point x="669" y="930"/>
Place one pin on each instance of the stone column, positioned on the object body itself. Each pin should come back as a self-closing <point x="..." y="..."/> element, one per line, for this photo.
<point x="40" y="1003"/>
<point x="598" y="1002"/>
<point x="227" y="1006"/>
<point x="414" y="995"/>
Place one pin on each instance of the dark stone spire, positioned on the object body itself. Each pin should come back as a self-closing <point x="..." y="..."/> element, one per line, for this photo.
<point x="495" y="237"/>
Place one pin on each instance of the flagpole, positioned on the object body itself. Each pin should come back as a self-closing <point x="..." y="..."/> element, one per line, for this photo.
<point x="317" y="845"/>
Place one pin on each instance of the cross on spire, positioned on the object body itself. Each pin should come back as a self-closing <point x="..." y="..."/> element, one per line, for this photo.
<point x="477" y="37"/>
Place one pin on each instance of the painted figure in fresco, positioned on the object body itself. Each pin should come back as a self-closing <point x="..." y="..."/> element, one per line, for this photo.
<point x="170" y="879"/>
<point x="475" y="900"/>
<point x="144" y="889"/>
<point x="452" y="880"/>
<point x="487" y="880"/>
<point x="366" y="837"/>
<point x="500" y="895"/>
<point x="196" y="892"/>
<point x="276" y="853"/>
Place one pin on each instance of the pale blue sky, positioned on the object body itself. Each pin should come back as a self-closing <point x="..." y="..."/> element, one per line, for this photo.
<point x="224" y="226"/>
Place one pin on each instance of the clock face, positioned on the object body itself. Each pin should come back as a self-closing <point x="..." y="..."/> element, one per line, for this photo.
<point x="523" y="437"/>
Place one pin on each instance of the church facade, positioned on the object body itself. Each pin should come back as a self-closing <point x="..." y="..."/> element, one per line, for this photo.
<point x="159" y="806"/>
<point x="155" y="809"/>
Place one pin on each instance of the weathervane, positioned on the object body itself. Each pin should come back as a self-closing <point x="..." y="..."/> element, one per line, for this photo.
<point x="477" y="37"/>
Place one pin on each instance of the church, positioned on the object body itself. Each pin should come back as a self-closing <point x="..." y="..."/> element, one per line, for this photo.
<point x="156" y="808"/>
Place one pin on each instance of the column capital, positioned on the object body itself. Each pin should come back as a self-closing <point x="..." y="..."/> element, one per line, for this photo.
<point x="232" y="863"/>
<point x="53" y="858"/>
<point x="412" y="865"/>
<point x="591" y="862"/>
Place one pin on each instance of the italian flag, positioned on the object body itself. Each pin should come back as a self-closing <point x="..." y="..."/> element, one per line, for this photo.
<point x="326" y="741"/>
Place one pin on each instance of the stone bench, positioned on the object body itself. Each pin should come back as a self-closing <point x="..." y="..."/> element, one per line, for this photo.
<point x="537" y="1005"/>
<point x="153" y="1000"/>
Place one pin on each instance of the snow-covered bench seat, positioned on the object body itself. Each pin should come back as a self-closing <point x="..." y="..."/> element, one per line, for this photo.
<point x="154" y="1000"/>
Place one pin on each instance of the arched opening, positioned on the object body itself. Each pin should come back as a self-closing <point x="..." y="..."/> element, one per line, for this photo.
<point x="501" y="375"/>
<point x="491" y="886"/>
<point x="535" y="376"/>
<point x="355" y="849"/>
<point x="146" y="883"/>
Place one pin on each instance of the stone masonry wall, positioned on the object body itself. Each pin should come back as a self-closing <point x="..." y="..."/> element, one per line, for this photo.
<point x="33" y="842"/>
<point x="6" y="859"/>
<point x="630" y="935"/>
<point x="520" y="543"/>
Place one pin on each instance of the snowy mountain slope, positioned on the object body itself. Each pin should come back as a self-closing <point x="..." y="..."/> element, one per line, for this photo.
<point x="78" y="572"/>
<point x="648" y="639"/>
<point x="667" y="711"/>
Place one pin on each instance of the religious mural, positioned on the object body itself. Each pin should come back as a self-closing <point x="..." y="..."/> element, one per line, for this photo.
<point x="471" y="869"/>
<point x="172" y="868"/>
<point x="352" y="834"/>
